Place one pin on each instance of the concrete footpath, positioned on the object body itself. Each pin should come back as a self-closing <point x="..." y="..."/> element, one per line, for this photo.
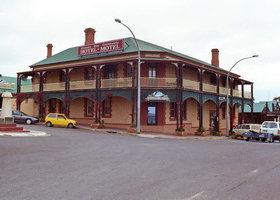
<point x="155" y="135"/>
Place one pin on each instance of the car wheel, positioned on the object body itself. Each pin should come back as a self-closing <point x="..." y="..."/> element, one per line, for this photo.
<point x="263" y="139"/>
<point x="49" y="124"/>
<point x="28" y="121"/>
<point x="70" y="125"/>
<point x="233" y="136"/>
<point x="247" y="138"/>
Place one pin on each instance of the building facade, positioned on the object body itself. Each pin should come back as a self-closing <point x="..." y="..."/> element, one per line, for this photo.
<point x="98" y="82"/>
<point x="262" y="111"/>
<point x="9" y="84"/>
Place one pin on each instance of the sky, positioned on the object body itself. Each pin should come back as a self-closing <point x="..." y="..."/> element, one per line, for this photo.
<point x="238" y="28"/>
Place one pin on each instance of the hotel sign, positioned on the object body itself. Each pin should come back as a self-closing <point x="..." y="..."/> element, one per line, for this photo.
<point x="114" y="45"/>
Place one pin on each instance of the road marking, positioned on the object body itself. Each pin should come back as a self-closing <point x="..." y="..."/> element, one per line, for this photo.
<point x="253" y="172"/>
<point x="197" y="196"/>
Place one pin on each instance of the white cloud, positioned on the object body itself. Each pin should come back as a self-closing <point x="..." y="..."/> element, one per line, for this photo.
<point x="193" y="27"/>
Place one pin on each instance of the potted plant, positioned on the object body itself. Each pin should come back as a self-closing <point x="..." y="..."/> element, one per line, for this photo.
<point x="180" y="131"/>
<point x="132" y="128"/>
<point x="200" y="131"/>
<point x="97" y="124"/>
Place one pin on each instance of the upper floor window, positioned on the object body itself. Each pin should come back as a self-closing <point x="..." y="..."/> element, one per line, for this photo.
<point x="109" y="71"/>
<point x="213" y="79"/>
<point x="89" y="73"/>
<point x="129" y="71"/>
<point x="61" y="76"/>
<point x="152" y="71"/>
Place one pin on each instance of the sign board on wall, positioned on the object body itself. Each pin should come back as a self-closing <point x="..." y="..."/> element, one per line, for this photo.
<point x="114" y="45"/>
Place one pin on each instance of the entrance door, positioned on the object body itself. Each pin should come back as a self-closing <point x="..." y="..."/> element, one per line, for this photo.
<point x="152" y="114"/>
<point x="213" y="119"/>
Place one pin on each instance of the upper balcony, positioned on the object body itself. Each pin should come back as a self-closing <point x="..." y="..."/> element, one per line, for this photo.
<point x="146" y="82"/>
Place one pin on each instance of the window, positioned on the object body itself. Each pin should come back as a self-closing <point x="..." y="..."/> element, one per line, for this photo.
<point x="61" y="76"/>
<point x="109" y="71"/>
<point x="213" y="79"/>
<point x="60" y="117"/>
<point x="52" y="116"/>
<point x="89" y="73"/>
<point x="52" y="106"/>
<point x="198" y="111"/>
<point x="107" y="107"/>
<point x="61" y="107"/>
<point x="173" y="110"/>
<point x="152" y="71"/>
<point x="128" y="71"/>
<point x="16" y="112"/>
<point x="184" y="110"/>
<point x="88" y="107"/>
<point x="223" y="112"/>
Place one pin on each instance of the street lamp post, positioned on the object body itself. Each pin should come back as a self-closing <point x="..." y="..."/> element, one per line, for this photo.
<point x="227" y="107"/>
<point x="138" y="78"/>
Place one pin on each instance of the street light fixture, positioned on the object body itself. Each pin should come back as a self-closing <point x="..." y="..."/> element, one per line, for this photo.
<point x="138" y="78"/>
<point x="227" y="107"/>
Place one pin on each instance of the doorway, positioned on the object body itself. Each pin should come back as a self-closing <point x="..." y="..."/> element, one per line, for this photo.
<point x="152" y="114"/>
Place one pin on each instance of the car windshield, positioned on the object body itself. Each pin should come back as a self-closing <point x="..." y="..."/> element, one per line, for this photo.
<point x="269" y="125"/>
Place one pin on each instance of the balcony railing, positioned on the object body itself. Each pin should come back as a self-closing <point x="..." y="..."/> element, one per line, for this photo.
<point x="224" y="91"/>
<point x="247" y="95"/>
<point x="29" y="88"/>
<point x="127" y="83"/>
<point x="158" y="82"/>
<point x="58" y="86"/>
<point x="209" y="88"/>
<point x="116" y="82"/>
<point x="80" y="85"/>
<point x="237" y="93"/>
<point x="189" y="84"/>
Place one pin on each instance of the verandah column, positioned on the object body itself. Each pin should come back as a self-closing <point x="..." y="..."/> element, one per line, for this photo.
<point x="97" y="85"/>
<point x="242" y="102"/>
<point x="231" y="106"/>
<point x="201" y="72"/>
<point x="252" y="102"/>
<point x="133" y="92"/>
<point x="67" y="92"/>
<point x="18" y="90"/>
<point x="179" y="107"/>
<point x="40" y="100"/>
<point x="218" y="104"/>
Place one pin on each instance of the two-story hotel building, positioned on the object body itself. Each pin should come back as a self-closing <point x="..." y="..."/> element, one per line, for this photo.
<point x="99" y="82"/>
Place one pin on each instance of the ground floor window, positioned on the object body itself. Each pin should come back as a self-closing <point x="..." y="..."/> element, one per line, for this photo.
<point x="107" y="107"/>
<point x="61" y="107"/>
<point x="88" y="108"/>
<point x="152" y="114"/>
<point x="52" y="106"/>
<point x="174" y="108"/>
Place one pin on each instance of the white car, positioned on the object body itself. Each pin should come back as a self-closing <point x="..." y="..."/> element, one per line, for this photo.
<point x="272" y="128"/>
<point x="244" y="128"/>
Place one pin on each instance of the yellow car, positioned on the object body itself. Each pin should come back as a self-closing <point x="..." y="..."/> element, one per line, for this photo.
<point x="58" y="119"/>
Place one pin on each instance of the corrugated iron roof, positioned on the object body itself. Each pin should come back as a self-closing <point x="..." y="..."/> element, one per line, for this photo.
<point x="71" y="54"/>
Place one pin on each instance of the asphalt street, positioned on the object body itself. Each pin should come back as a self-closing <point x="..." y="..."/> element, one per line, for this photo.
<point x="85" y="165"/>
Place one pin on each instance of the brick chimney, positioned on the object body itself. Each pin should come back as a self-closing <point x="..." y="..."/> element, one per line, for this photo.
<point x="49" y="46"/>
<point x="89" y="36"/>
<point x="215" y="57"/>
